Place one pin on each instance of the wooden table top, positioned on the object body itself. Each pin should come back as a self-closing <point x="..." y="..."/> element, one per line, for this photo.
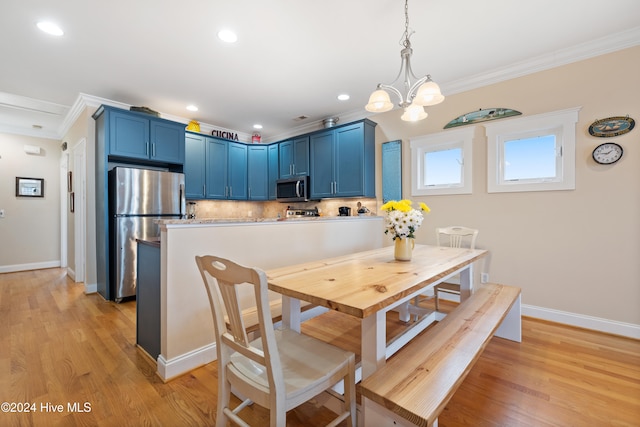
<point x="364" y="283"/>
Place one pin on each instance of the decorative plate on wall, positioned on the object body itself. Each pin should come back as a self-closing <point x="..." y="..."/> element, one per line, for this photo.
<point x="482" y="115"/>
<point x="612" y="126"/>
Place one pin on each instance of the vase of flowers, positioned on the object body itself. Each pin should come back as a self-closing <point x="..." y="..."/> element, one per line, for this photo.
<point x="401" y="221"/>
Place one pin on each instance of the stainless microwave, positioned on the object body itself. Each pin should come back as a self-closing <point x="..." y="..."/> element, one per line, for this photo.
<point x="293" y="189"/>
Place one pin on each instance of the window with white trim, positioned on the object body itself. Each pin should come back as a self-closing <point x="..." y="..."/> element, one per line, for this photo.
<point x="535" y="153"/>
<point x="441" y="163"/>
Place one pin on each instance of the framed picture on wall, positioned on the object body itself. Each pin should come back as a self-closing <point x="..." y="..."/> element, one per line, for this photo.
<point x="29" y="187"/>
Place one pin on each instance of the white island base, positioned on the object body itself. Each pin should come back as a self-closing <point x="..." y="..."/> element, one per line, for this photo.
<point x="187" y="335"/>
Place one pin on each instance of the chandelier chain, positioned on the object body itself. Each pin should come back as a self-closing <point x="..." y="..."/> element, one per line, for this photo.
<point x="406" y="42"/>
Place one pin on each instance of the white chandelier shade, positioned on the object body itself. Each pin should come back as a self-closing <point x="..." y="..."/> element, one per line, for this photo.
<point x="424" y="92"/>
<point x="379" y="102"/>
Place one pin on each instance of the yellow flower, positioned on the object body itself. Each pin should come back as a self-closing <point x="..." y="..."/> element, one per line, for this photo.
<point x="388" y="206"/>
<point x="402" y="220"/>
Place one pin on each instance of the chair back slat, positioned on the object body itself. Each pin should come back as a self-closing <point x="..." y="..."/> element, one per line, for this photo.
<point x="223" y="279"/>
<point x="457" y="236"/>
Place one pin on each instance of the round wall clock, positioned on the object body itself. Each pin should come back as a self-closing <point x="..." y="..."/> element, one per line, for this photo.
<point x="607" y="153"/>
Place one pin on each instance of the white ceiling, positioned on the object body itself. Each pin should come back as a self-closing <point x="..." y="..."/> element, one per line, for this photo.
<point x="293" y="57"/>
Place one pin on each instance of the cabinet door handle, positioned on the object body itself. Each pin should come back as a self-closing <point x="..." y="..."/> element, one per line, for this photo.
<point x="153" y="150"/>
<point x="146" y="148"/>
<point x="204" y="189"/>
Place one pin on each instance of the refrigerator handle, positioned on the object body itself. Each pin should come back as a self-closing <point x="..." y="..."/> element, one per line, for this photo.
<point x="182" y="202"/>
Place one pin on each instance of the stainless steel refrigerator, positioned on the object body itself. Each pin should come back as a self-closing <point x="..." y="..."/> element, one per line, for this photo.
<point x="138" y="197"/>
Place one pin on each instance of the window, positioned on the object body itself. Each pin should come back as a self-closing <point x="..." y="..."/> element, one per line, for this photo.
<point x="535" y="153"/>
<point x="441" y="163"/>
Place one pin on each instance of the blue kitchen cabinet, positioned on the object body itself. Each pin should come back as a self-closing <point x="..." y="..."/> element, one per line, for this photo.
<point x="148" y="303"/>
<point x="237" y="179"/>
<point x="138" y="136"/>
<point x="322" y="177"/>
<point x="342" y="161"/>
<point x="258" y="172"/>
<point x="195" y="166"/>
<point x="294" y="157"/>
<point x="273" y="169"/>
<point x="216" y="169"/>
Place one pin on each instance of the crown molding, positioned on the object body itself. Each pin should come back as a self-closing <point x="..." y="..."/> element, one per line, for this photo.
<point x="84" y="101"/>
<point x="601" y="46"/>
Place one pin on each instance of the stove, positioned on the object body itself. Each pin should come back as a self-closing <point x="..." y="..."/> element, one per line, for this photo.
<point x="301" y="213"/>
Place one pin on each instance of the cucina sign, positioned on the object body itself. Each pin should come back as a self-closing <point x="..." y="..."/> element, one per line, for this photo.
<point x="225" y="134"/>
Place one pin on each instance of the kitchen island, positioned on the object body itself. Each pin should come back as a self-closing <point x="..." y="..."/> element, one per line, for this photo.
<point x="186" y="325"/>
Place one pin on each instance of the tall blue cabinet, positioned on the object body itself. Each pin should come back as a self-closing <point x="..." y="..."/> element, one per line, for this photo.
<point x="136" y="139"/>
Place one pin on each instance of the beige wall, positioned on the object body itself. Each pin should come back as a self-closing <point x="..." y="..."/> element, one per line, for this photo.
<point x="572" y="251"/>
<point x="30" y="230"/>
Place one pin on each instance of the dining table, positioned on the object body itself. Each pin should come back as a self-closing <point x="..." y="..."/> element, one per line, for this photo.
<point x="369" y="284"/>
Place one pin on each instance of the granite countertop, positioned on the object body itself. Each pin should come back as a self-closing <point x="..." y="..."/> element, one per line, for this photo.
<point x="259" y="220"/>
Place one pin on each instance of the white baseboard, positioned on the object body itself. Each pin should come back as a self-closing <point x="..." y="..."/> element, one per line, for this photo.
<point x="71" y="273"/>
<point x="169" y="369"/>
<point x="90" y="288"/>
<point x="583" y="321"/>
<point x="31" y="266"/>
<point x="629" y="330"/>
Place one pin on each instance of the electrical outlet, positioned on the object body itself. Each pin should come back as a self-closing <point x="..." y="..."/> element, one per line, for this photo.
<point x="484" y="277"/>
<point x="1" y="213"/>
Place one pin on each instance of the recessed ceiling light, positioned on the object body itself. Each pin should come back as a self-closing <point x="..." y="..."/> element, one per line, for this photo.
<point x="257" y="126"/>
<point x="343" y="97"/>
<point x="50" y="28"/>
<point x="192" y="108"/>
<point x="227" y="36"/>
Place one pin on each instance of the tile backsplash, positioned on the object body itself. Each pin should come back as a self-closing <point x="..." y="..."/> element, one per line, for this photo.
<point x="251" y="209"/>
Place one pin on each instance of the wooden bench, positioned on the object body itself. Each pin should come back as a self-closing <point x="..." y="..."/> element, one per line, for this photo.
<point x="417" y="383"/>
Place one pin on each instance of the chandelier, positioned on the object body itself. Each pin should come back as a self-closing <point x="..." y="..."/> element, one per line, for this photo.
<point x="423" y="93"/>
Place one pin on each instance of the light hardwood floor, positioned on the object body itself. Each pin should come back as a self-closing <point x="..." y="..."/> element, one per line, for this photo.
<point x="61" y="347"/>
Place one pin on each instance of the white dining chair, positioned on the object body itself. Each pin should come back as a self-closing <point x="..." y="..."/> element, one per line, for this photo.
<point x="456" y="237"/>
<point x="279" y="370"/>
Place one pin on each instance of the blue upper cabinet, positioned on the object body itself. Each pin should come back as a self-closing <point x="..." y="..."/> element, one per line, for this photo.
<point x="274" y="171"/>
<point x="237" y="181"/>
<point x="195" y="166"/>
<point x="342" y="161"/>
<point x="217" y="186"/>
<point x="167" y="142"/>
<point x="294" y="157"/>
<point x="138" y="136"/>
<point x="258" y="172"/>
<point x="322" y="180"/>
<point x="129" y="135"/>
